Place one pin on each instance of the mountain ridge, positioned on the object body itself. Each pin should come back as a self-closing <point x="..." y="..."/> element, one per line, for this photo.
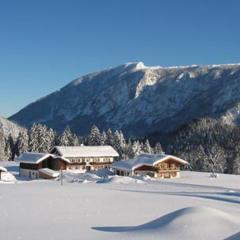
<point x="139" y="99"/>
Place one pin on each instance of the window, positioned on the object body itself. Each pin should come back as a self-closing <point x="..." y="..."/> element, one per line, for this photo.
<point x="173" y="166"/>
<point x="165" y="165"/>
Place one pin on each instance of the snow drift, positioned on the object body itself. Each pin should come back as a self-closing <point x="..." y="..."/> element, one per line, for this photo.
<point x="189" y="223"/>
<point x="100" y="176"/>
<point x="7" y="177"/>
<point x="120" y="180"/>
<point x="79" y="177"/>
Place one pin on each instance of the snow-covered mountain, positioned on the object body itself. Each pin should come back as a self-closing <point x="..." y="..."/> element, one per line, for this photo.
<point x="140" y="99"/>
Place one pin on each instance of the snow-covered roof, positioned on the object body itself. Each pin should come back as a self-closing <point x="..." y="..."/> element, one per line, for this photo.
<point x="3" y="169"/>
<point x="86" y="151"/>
<point x="49" y="172"/>
<point x="144" y="159"/>
<point x="35" y="158"/>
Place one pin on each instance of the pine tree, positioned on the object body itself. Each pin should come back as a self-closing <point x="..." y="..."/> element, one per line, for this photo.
<point x="136" y="149"/>
<point x="50" y="138"/>
<point x="41" y="138"/>
<point x="236" y="166"/>
<point x="21" y="144"/>
<point x="109" y="137"/>
<point x="2" y="145"/>
<point x="94" y="138"/>
<point x="33" y="141"/>
<point x="103" y="138"/>
<point x="75" y="140"/>
<point x="126" y="150"/>
<point x="119" y="143"/>
<point x="158" y="148"/>
<point x="9" y="148"/>
<point x="67" y="138"/>
<point x="147" y="147"/>
<point x="129" y="151"/>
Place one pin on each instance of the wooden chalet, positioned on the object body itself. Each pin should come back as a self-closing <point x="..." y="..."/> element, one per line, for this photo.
<point x="154" y="165"/>
<point x="86" y="157"/>
<point x="45" y="165"/>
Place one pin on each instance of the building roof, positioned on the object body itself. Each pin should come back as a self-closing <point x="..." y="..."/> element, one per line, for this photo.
<point x="3" y="169"/>
<point x="145" y="159"/>
<point x="49" y="172"/>
<point x="35" y="158"/>
<point x="86" y="151"/>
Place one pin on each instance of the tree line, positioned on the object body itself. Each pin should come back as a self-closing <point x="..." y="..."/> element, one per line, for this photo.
<point x="40" y="138"/>
<point x="209" y="145"/>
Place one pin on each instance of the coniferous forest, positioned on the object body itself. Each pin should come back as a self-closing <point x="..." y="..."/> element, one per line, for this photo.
<point x="40" y="138"/>
<point x="208" y="144"/>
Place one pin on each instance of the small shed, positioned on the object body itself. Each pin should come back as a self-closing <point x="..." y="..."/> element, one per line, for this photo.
<point x="31" y="163"/>
<point x="2" y="169"/>
<point x="48" y="173"/>
<point x="154" y="165"/>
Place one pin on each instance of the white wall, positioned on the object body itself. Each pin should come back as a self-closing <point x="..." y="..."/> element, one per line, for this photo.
<point x="32" y="174"/>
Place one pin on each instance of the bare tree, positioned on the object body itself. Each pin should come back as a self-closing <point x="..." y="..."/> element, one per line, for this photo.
<point x="215" y="156"/>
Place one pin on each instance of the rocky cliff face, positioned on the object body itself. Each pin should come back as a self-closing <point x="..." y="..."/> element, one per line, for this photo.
<point x="140" y="99"/>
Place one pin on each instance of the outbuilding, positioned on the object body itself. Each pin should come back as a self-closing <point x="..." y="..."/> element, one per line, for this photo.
<point x="2" y="169"/>
<point x="154" y="165"/>
<point x="35" y="165"/>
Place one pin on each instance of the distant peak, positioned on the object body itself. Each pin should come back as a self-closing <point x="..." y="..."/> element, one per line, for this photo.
<point x="140" y="65"/>
<point x="135" y="65"/>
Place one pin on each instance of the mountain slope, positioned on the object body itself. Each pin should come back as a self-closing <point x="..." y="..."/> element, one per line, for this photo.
<point x="8" y="127"/>
<point x="139" y="99"/>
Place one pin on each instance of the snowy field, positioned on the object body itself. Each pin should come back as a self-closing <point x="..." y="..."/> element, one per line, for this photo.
<point x="89" y="206"/>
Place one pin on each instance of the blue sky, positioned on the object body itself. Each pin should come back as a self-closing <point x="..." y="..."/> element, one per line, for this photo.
<point x="46" y="44"/>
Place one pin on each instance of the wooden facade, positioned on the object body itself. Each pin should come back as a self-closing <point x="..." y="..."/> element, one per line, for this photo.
<point x="51" y="163"/>
<point x="89" y="163"/>
<point x="167" y="169"/>
<point x="157" y="166"/>
<point x="31" y="169"/>
<point x="86" y="162"/>
<point x="86" y="158"/>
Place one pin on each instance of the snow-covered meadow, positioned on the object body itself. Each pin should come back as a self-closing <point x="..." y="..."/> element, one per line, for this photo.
<point x="94" y="206"/>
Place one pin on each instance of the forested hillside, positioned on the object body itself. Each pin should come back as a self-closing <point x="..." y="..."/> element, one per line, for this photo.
<point x="209" y="145"/>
